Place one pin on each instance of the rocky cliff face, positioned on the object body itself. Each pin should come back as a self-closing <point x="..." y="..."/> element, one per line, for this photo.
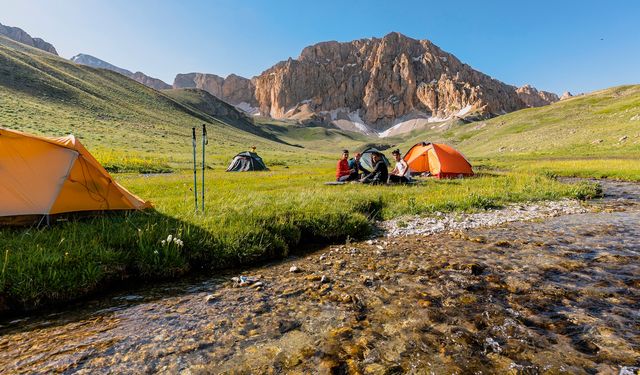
<point x="154" y="83"/>
<point x="534" y="98"/>
<point x="369" y="86"/>
<point x="23" y="37"/>
<point x="566" y="95"/>
<point x="95" y="62"/>
<point x="375" y="83"/>
<point x="234" y="89"/>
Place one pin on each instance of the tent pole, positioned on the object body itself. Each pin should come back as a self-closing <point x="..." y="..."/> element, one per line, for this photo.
<point x="195" y="177"/>
<point x="205" y="141"/>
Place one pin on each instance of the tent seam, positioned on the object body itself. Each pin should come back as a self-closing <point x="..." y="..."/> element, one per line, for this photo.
<point x="66" y="177"/>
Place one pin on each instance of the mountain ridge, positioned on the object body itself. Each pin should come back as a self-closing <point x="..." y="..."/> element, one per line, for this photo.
<point x="371" y="85"/>
<point x="42" y="93"/>
<point x="21" y="36"/>
<point x="94" y="62"/>
<point x="381" y="86"/>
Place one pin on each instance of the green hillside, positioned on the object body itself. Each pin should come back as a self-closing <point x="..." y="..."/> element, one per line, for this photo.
<point x="603" y="123"/>
<point x="593" y="135"/>
<point x="45" y="94"/>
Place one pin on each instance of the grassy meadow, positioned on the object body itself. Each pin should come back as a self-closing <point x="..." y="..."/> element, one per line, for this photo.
<point x="248" y="217"/>
<point x="139" y="134"/>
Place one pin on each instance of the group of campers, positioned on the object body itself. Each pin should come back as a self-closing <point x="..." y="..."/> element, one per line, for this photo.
<point x="353" y="169"/>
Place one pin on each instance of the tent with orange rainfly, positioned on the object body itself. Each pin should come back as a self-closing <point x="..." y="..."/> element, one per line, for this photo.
<point x="45" y="176"/>
<point x="442" y="161"/>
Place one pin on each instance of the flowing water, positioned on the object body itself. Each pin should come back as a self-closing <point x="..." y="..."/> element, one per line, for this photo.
<point x="560" y="295"/>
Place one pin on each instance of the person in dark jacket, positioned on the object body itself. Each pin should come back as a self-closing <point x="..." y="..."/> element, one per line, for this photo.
<point x="380" y="172"/>
<point x="356" y="166"/>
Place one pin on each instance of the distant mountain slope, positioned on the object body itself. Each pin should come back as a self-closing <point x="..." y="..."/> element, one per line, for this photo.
<point x="22" y="36"/>
<point x="45" y="94"/>
<point x="234" y="89"/>
<point x="95" y="62"/>
<point x="202" y="101"/>
<point x="605" y="122"/>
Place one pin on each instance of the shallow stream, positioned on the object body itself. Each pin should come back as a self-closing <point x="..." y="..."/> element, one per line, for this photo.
<point x="559" y="295"/>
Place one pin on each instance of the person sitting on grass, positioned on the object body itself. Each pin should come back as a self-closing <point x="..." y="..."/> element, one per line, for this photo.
<point x="400" y="173"/>
<point x="343" y="172"/>
<point x="354" y="163"/>
<point x="380" y="173"/>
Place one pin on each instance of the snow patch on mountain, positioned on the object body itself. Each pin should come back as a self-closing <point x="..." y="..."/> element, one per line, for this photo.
<point x="248" y="109"/>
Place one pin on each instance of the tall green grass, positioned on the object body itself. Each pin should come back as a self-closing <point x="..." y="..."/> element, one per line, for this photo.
<point x="616" y="168"/>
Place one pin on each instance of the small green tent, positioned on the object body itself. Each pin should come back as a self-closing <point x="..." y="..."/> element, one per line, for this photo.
<point x="247" y="161"/>
<point x="365" y="158"/>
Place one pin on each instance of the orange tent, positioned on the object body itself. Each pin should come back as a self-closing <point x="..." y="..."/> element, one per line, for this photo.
<point x="440" y="160"/>
<point x="45" y="176"/>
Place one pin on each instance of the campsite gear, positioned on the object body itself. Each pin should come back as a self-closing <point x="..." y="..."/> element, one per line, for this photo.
<point x="441" y="160"/>
<point x="247" y="161"/>
<point x="365" y="160"/>
<point x="335" y="183"/>
<point x="205" y="142"/>
<point x="45" y="176"/>
<point x="195" y="175"/>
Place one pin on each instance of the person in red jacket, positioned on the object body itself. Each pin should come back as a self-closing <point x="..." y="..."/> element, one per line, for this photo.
<point x="343" y="172"/>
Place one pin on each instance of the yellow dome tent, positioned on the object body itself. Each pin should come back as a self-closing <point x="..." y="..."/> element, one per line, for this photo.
<point x="45" y="176"/>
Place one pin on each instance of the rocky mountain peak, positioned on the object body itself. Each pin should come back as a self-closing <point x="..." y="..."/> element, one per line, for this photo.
<point x="233" y="89"/>
<point x="374" y="83"/>
<point x="534" y="98"/>
<point x="566" y="95"/>
<point x="369" y="85"/>
<point x="23" y="37"/>
<point x="94" y="62"/>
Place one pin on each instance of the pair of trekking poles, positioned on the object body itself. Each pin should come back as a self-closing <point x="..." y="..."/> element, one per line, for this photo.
<point x="205" y="141"/>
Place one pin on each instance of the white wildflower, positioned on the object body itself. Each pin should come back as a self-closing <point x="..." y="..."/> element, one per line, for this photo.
<point x="155" y="252"/>
<point x="169" y="238"/>
<point x="176" y="239"/>
<point x="163" y="242"/>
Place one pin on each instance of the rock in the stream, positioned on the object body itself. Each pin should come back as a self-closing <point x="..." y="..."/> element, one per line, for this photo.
<point x="210" y="298"/>
<point x="245" y="280"/>
<point x="294" y="269"/>
<point x="285" y="326"/>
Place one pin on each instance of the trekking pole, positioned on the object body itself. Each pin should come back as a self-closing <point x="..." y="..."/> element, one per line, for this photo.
<point x="195" y="177"/>
<point x="205" y="142"/>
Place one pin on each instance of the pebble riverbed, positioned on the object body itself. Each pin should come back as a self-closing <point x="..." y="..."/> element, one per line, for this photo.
<point x="558" y="293"/>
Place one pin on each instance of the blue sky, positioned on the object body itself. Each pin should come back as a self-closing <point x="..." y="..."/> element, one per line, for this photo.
<point x="578" y="46"/>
